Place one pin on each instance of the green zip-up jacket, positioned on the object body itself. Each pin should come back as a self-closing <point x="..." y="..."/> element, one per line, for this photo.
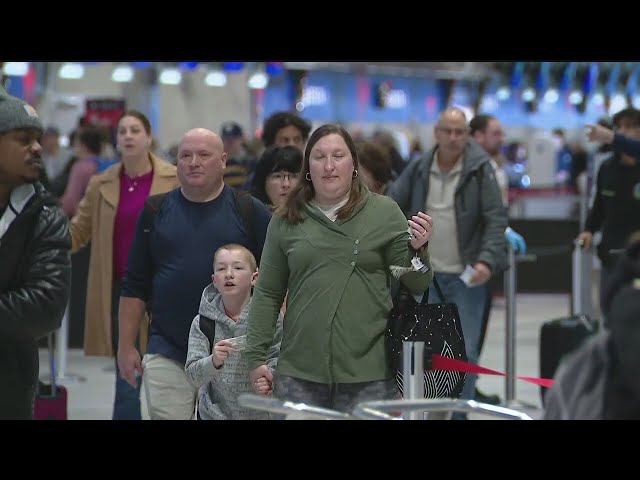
<point x="338" y="278"/>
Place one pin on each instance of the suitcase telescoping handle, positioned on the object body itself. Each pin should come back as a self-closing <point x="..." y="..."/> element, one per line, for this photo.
<point x="52" y="363"/>
<point x="581" y="302"/>
<point x="576" y="278"/>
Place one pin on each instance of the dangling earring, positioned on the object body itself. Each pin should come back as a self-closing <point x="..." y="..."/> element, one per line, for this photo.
<point x="355" y="174"/>
<point x="308" y="177"/>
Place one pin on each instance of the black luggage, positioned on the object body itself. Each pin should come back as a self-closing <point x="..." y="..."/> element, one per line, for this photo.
<point x="560" y="336"/>
<point x="51" y="399"/>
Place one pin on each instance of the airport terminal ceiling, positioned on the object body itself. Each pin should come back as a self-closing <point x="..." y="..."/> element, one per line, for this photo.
<point x="596" y="73"/>
<point x="434" y="69"/>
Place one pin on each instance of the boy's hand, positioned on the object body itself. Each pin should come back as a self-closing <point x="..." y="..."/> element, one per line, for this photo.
<point x="262" y="386"/>
<point x="221" y="352"/>
<point x="258" y="378"/>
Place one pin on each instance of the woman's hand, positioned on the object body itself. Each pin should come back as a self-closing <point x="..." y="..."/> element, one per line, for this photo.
<point x="420" y="227"/>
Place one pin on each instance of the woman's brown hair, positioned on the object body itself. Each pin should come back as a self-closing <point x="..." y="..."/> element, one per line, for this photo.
<point x="304" y="192"/>
<point x="140" y="116"/>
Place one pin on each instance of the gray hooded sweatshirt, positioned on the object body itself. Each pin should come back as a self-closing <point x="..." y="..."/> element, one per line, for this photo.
<point x="219" y="388"/>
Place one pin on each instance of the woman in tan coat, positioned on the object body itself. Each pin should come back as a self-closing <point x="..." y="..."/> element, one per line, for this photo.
<point x="107" y="217"/>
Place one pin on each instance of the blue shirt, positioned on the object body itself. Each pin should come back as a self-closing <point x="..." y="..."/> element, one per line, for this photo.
<point x="104" y="163"/>
<point x="171" y="267"/>
<point x="563" y="160"/>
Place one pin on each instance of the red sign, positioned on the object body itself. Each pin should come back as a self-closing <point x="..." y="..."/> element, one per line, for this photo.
<point x="105" y="112"/>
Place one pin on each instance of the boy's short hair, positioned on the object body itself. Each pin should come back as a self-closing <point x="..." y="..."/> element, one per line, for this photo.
<point x="239" y="248"/>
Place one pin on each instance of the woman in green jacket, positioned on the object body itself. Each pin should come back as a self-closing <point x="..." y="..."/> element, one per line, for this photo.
<point x="334" y="246"/>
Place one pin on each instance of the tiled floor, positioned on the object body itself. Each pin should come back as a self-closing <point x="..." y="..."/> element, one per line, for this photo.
<point x="93" y="398"/>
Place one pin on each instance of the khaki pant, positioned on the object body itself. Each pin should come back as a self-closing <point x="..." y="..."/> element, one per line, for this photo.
<point x="168" y="392"/>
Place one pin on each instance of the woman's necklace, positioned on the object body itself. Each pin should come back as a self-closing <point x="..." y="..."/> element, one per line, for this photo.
<point x="133" y="181"/>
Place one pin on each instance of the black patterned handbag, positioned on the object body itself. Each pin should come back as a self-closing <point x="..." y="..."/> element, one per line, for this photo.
<point x="438" y="326"/>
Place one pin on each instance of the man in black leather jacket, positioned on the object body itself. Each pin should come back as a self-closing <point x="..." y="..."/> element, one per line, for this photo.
<point x="35" y="268"/>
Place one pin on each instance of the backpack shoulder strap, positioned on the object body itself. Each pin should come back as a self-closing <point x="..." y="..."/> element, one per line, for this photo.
<point x="151" y="207"/>
<point x="244" y="203"/>
<point x="245" y="207"/>
<point x="208" y="327"/>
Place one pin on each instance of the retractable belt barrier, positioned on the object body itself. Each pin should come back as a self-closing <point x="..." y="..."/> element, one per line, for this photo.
<point x="450" y="364"/>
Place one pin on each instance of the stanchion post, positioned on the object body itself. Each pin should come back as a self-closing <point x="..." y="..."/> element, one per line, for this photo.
<point x="62" y="344"/>
<point x="412" y="374"/>
<point x="510" y="288"/>
<point x="61" y="348"/>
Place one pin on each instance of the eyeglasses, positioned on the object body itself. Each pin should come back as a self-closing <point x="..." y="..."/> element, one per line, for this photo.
<point x="280" y="176"/>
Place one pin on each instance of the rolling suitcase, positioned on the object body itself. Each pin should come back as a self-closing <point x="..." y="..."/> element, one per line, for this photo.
<point x="560" y="336"/>
<point x="51" y="399"/>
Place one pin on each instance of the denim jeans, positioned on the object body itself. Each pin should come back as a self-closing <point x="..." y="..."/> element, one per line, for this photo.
<point x="126" y="404"/>
<point x="470" y="302"/>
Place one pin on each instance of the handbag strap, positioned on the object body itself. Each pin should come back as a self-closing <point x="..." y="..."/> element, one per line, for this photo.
<point x="425" y="297"/>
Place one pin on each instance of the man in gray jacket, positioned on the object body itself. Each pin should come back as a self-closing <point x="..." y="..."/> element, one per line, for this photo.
<point x="456" y="185"/>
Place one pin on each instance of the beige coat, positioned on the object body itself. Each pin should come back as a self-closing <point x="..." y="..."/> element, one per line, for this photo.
<point x="94" y="222"/>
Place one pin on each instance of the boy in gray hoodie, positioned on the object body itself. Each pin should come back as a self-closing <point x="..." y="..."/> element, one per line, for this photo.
<point x="218" y="367"/>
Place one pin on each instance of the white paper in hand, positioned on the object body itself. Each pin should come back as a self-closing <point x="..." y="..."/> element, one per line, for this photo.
<point x="467" y="275"/>
<point x="239" y="343"/>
